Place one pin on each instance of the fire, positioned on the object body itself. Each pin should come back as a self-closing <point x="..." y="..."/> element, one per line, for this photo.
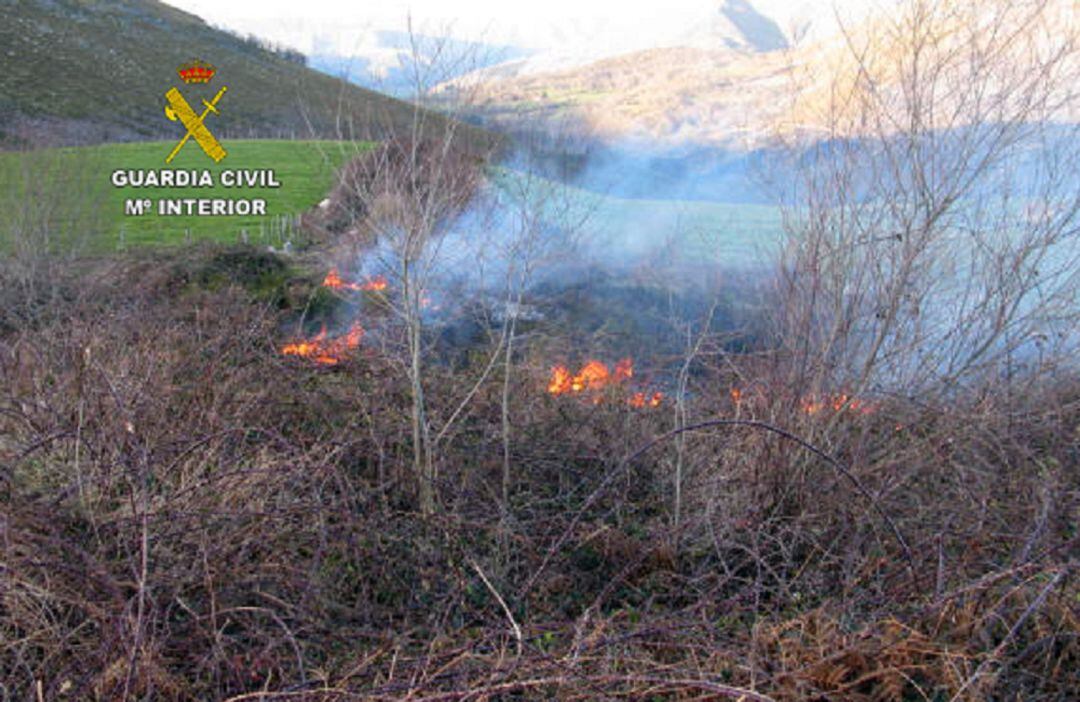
<point x="594" y="377"/>
<point x="836" y="403"/>
<point x="324" y="351"/>
<point x="376" y="284"/>
<point x="334" y="281"/>
<point x="641" y="400"/>
<point x="561" y="381"/>
<point x="816" y="404"/>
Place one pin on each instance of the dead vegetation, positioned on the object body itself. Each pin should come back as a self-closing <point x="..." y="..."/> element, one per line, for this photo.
<point x="188" y="514"/>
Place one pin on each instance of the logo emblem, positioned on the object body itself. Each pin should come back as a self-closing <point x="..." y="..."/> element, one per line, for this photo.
<point x="178" y="109"/>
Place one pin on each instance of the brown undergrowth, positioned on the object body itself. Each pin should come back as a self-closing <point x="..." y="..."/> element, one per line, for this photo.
<point x="186" y="514"/>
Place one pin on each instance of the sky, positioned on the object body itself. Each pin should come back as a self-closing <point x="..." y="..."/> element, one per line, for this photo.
<point x="311" y="25"/>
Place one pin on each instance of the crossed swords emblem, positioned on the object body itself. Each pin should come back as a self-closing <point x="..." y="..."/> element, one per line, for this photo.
<point x="178" y="108"/>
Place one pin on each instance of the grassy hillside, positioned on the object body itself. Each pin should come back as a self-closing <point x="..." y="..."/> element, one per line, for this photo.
<point x="90" y="207"/>
<point x="86" y="71"/>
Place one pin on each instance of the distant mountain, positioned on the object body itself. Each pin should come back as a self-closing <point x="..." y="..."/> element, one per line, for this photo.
<point x="739" y="26"/>
<point x="702" y="77"/>
<point x="727" y="83"/>
<point x="725" y="25"/>
<point x="386" y="60"/>
<point x="84" y="71"/>
<point x="657" y="97"/>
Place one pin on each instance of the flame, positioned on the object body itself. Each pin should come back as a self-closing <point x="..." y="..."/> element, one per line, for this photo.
<point x="640" y="400"/>
<point x="594" y="377"/>
<point x="376" y="284"/>
<point x="816" y="404"/>
<point x="837" y="403"/>
<point x="561" y="380"/>
<point x="324" y="351"/>
<point x="333" y="280"/>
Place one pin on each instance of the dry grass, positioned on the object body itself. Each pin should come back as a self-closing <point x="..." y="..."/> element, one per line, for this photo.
<point x="187" y="515"/>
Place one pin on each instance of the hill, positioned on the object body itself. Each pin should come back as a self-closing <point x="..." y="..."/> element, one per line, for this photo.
<point x="672" y="96"/>
<point x="81" y="72"/>
<point x="382" y="59"/>
<point x="734" y="25"/>
<point x="710" y="90"/>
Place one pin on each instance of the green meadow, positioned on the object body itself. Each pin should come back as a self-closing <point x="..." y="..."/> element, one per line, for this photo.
<point x="736" y="235"/>
<point x="66" y="194"/>
<point x="71" y="190"/>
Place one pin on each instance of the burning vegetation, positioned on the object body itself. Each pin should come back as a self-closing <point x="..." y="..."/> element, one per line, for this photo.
<point x="184" y="521"/>
<point x="814" y="404"/>
<point x="329" y="351"/>
<point x="594" y="377"/>
<point x="326" y="351"/>
<point x="837" y="403"/>
<point x="876" y="546"/>
<point x="640" y="400"/>
<point x="375" y="284"/>
<point x="334" y="281"/>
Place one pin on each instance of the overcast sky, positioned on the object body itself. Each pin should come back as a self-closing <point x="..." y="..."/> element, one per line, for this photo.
<point x="542" y="25"/>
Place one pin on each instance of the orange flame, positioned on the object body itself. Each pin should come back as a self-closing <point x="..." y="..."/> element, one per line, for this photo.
<point x="327" y="352"/>
<point x="640" y="400"/>
<point x="561" y="380"/>
<point x="376" y="284"/>
<point x="594" y="376"/>
<point x="837" y="403"/>
<point x="333" y="280"/>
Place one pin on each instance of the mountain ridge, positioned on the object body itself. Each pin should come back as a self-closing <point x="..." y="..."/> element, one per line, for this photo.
<point x="732" y="98"/>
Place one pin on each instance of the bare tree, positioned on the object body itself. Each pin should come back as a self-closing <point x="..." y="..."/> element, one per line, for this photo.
<point x="406" y="207"/>
<point x="540" y="220"/>
<point x="931" y="230"/>
<point x="52" y="213"/>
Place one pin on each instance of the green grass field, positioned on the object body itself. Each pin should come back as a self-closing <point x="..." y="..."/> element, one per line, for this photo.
<point x="77" y="182"/>
<point x="687" y="231"/>
<point x="676" y="231"/>
<point x="68" y="193"/>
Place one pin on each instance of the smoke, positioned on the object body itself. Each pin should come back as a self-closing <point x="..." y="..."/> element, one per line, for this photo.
<point x="692" y="224"/>
<point x="686" y="214"/>
<point x="583" y="258"/>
